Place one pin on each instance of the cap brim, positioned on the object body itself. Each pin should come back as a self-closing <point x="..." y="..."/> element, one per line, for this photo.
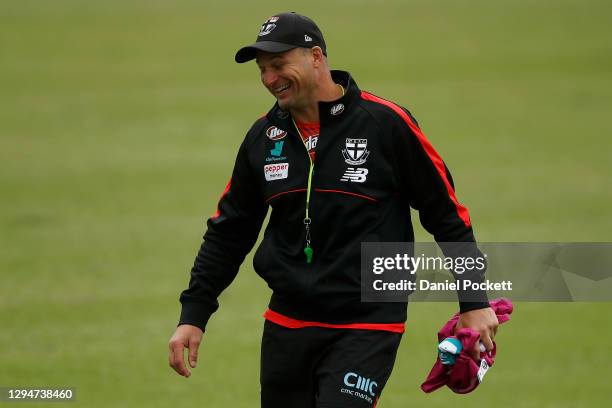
<point x="250" y="51"/>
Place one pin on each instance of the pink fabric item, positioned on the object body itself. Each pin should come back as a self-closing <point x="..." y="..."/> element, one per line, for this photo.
<point x="461" y="377"/>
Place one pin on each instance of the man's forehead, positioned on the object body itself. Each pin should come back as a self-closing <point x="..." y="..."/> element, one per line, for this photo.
<point x="269" y="56"/>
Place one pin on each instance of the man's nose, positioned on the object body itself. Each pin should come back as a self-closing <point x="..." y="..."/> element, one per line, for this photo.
<point x="268" y="78"/>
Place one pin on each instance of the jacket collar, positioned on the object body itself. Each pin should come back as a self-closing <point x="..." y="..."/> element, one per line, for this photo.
<point x="328" y="111"/>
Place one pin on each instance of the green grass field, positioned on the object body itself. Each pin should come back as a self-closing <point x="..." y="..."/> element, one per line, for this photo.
<point x="119" y="123"/>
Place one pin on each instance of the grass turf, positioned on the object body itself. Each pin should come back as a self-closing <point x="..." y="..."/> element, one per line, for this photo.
<point x="119" y="123"/>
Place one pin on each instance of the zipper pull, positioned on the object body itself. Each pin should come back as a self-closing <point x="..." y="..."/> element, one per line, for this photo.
<point x="307" y="249"/>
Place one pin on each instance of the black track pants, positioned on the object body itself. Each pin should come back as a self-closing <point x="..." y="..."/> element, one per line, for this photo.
<point x="318" y="367"/>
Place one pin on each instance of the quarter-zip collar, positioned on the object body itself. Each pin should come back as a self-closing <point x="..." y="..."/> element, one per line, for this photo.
<point x="329" y="111"/>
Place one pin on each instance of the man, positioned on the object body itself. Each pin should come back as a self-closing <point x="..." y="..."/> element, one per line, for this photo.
<point x="339" y="167"/>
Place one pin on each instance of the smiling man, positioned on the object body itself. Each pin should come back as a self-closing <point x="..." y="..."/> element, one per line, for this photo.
<point x="322" y="346"/>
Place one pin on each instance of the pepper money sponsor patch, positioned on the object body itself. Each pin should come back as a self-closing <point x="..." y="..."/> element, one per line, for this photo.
<point x="276" y="171"/>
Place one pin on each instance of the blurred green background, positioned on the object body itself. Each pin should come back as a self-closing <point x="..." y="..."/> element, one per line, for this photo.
<point x="119" y="124"/>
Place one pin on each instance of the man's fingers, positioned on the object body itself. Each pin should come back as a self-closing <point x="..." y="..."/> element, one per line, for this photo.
<point x="487" y="341"/>
<point x="185" y="336"/>
<point x="177" y="359"/>
<point x="475" y="352"/>
<point x="194" y="344"/>
<point x="179" y="355"/>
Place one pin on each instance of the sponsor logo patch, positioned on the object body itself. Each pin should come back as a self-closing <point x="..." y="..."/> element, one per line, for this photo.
<point x="278" y="149"/>
<point x="275" y="133"/>
<point x="355" y="175"/>
<point x="276" y="171"/>
<point x="337" y="109"/>
<point x="275" y="154"/>
<point x="275" y="159"/>
<point x="355" y="152"/>
<point x="307" y="38"/>
<point x="359" y="386"/>
<point x="311" y="142"/>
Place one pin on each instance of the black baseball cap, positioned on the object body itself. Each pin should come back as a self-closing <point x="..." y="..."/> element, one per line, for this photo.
<point x="283" y="32"/>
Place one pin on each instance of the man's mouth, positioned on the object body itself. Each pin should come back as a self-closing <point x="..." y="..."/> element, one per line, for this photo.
<point x="279" y="90"/>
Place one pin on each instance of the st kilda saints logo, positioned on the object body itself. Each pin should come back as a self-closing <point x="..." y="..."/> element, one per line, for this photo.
<point x="275" y="133"/>
<point x="355" y="152"/>
<point x="268" y="26"/>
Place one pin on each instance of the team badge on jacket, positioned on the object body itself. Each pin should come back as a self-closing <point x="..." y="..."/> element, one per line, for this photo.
<point x="355" y="152"/>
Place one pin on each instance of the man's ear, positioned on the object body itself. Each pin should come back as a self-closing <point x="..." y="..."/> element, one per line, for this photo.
<point x="317" y="56"/>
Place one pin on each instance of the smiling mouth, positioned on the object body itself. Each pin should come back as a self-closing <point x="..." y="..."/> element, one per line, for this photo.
<point x="281" y="89"/>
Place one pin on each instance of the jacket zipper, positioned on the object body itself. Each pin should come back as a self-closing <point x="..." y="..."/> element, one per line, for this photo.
<point x="307" y="220"/>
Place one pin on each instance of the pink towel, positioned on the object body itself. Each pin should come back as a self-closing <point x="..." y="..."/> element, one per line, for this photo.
<point x="465" y="375"/>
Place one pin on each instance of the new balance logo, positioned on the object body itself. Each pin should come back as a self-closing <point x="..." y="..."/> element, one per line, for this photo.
<point x="355" y="175"/>
<point x="307" y="38"/>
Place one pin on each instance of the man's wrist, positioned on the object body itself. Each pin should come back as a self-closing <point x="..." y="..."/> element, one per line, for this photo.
<point x="195" y="314"/>
<point x="469" y="306"/>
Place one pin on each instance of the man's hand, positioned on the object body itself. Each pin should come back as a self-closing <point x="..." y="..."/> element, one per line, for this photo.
<point x="187" y="336"/>
<point x="484" y="321"/>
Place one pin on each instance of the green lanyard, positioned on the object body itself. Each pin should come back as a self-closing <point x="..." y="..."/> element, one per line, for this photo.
<point x="307" y="221"/>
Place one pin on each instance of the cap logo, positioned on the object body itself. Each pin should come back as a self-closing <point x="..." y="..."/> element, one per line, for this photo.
<point x="337" y="109"/>
<point x="307" y="38"/>
<point x="275" y="133"/>
<point x="268" y="26"/>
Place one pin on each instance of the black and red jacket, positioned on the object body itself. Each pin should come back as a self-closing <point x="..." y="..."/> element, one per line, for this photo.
<point x="352" y="200"/>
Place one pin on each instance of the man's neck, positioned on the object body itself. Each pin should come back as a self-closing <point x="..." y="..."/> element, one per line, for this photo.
<point x="309" y="114"/>
<point x="330" y="91"/>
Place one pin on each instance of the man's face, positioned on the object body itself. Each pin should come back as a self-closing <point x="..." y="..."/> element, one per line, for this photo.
<point x="289" y="76"/>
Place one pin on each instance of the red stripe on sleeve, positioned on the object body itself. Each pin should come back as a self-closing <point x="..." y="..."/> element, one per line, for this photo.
<point x="218" y="213"/>
<point x="429" y="149"/>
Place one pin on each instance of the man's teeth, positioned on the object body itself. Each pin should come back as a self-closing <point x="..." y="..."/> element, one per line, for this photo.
<point x="281" y="88"/>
